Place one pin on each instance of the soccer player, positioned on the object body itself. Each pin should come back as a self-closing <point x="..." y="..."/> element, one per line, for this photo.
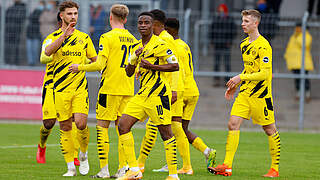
<point x="48" y="109"/>
<point x="190" y="96"/>
<point x="154" y="97"/>
<point x="116" y="88"/>
<point x="255" y="97"/>
<point x="70" y="46"/>
<point x="175" y="80"/>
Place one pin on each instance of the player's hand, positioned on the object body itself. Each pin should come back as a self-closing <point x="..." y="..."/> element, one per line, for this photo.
<point x="145" y="64"/>
<point x="139" y="51"/>
<point x="74" y="68"/>
<point x="229" y="94"/>
<point x="69" y="29"/>
<point x="174" y="97"/>
<point x="233" y="82"/>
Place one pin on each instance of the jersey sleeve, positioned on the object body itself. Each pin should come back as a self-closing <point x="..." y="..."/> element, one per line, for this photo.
<point x="265" y="58"/>
<point x="91" y="52"/>
<point x="95" y="66"/>
<point x="167" y="54"/>
<point x="44" y="59"/>
<point x="265" y="55"/>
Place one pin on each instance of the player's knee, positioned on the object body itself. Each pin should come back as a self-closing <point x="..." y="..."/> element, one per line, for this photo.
<point x="233" y="125"/>
<point x="269" y="131"/>
<point x="81" y="125"/>
<point x="49" y="123"/>
<point x="122" y="128"/>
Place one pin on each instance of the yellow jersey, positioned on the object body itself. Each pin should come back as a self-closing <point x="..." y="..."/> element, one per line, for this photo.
<point x="154" y="83"/>
<point x="185" y="60"/>
<point x="257" y="74"/>
<point x="75" y="49"/>
<point x="114" y="49"/>
<point x="172" y="77"/>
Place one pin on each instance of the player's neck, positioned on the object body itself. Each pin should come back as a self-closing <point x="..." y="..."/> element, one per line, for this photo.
<point x="160" y="31"/>
<point x="118" y="25"/>
<point x="145" y="39"/>
<point x="253" y="35"/>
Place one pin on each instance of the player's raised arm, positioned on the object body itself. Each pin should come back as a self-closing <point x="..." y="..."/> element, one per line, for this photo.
<point x="53" y="47"/>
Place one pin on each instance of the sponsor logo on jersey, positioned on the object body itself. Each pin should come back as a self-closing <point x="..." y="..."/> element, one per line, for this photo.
<point x="71" y="53"/>
<point x="266" y="59"/>
<point x="249" y="63"/>
<point x="169" y="51"/>
<point x="100" y="47"/>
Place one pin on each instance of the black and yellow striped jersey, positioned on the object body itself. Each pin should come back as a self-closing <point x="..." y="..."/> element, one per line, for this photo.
<point x="154" y="83"/>
<point x="257" y="74"/>
<point x="74" y="50"/>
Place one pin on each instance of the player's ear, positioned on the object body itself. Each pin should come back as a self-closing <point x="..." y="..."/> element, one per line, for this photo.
<point x="125" y="20"/>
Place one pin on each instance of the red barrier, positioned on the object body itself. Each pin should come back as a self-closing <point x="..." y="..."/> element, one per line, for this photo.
<point x="20" y="94"/>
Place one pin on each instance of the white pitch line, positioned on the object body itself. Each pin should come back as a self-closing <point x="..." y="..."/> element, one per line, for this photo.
<point x="33" y="146"/>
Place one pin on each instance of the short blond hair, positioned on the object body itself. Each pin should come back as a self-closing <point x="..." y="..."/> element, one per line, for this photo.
<point x="254" y="13"/>
<point x="120" y="11"/>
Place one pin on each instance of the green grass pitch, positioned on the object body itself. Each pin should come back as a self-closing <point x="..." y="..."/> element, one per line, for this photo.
<point x="300" y="157"/>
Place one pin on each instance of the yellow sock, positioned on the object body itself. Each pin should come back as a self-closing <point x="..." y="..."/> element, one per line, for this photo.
<point x="274" y="148"/>
<point x="199" y="144"/>
<point x="75" y="140"/>
<point x="127" y="142"/>
<point x="66" y="145"/>
<point x="44" y="133"/>
<point x="231" y="147"/>
<point x="170" y="147"/>
<point x="147" y="143"/>
<point x="102" y="145"/>
<point x="122" y="158"/>
<point x="182" y="143"/>
<point x="83" y="138"/>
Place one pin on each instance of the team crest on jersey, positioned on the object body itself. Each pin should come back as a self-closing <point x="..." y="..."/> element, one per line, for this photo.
<point x="169" y="52"/>
<point x="100" y="47"/>
<point x="253" y="52"/>
<point x="80" y="41"/>
<point x="266" y="59"/>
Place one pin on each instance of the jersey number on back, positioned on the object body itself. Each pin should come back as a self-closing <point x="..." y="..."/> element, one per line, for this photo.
<point x="126" y="51"/>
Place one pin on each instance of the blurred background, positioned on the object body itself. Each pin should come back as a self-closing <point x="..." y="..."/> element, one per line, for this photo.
<point x="212" y="28"/>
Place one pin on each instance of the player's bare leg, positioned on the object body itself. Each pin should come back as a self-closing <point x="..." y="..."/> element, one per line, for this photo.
<point x="231" y="147"/>
<point x="126" y="138"/>
<point x="103" y="148"/>
<point x="170" y="148"/>
<point x="83" y="138"/>
<point x="197" y="142"/>
<point x="182" y="144"/>
<point x="123" y="166"/>
<point x="67" y="146"/>
<point x="274" y="148"/>
<point x="45" y="131"/>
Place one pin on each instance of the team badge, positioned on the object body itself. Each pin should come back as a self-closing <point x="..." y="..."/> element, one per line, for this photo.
<point x="80" y="42"/>
<point x="100" y="47"/>
<point x="253" y="52"/>
<point x="266" y="59"/>
<point x="169" y="52"/>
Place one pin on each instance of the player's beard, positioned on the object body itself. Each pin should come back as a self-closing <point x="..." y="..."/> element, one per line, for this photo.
<point x="71" y="21"/>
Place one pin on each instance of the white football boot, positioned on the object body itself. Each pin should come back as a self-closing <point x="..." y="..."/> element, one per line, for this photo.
<point x="84" y="164"/>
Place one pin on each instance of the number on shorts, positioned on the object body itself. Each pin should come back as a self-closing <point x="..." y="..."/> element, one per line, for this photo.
<point x="159" y="109"/>
<point x="265" y="111"/>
